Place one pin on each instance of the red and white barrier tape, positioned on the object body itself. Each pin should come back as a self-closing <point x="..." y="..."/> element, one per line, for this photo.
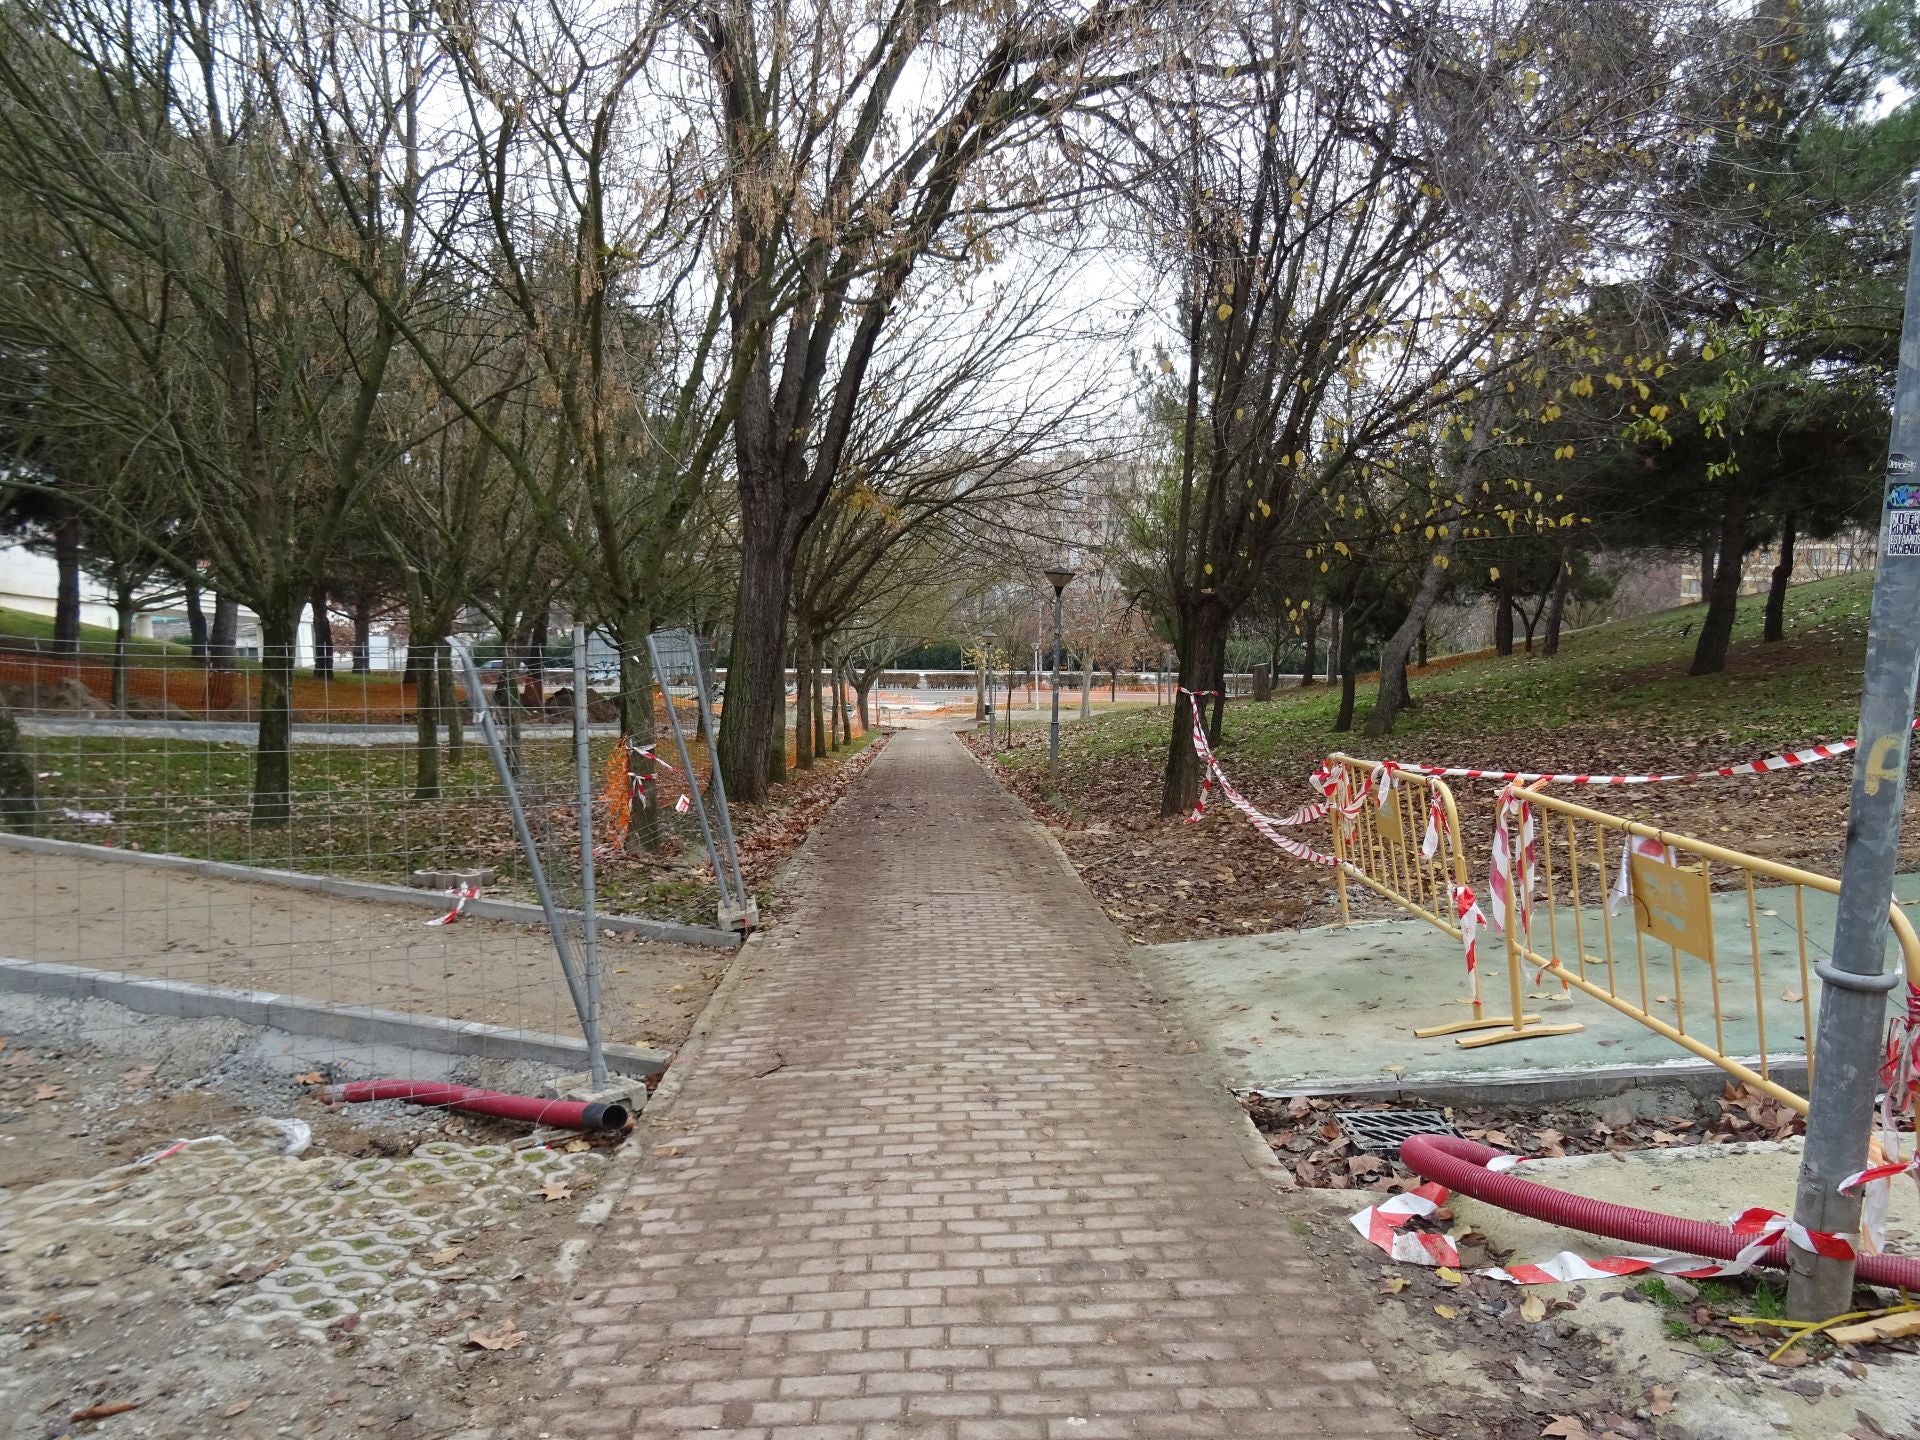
<point x="1384" y="1226"/>
<point x="1787" y="760"/>
<point x="461" y="895"/>
<point x="1899" y="1080"/>
<point x="1269" y="826"/>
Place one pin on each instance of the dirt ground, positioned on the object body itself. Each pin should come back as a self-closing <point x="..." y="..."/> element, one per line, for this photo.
<point x="171" y="925"/>
<point x="231" y="1289"/>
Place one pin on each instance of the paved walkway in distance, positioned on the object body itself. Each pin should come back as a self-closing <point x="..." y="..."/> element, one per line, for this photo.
<point x="941" y="1171"/>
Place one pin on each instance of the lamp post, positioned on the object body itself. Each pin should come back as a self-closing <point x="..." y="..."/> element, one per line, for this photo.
<point x="1057" y="578"/>
<point x="986" y="656"/>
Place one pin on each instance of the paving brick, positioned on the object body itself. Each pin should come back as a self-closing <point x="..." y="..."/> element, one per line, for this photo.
<point x="940" y="1172"/>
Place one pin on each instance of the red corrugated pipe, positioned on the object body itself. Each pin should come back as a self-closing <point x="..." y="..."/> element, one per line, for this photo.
<point x="566" y="1114"/>
<point x="1461" y="1165"/>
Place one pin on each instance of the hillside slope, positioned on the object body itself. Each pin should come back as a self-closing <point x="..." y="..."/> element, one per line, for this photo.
<point x="1616" y="699"/>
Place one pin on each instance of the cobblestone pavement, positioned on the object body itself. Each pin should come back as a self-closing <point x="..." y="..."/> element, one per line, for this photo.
<point x="941" y="1171"/>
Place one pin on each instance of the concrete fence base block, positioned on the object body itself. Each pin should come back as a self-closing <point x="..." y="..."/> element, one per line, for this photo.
<point x="511" y="911"/>
<point x="360" y="1025"/>
<point x="444" y="880"/>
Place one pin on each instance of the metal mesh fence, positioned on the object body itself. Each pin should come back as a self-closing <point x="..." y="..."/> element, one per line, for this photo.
<point x="159" y="863"/>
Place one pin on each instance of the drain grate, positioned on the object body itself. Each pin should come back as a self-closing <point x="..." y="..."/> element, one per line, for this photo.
<point x="1379" y="1132"/>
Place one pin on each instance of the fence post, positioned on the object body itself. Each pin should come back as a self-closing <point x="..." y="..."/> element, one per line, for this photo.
<point x="1846" y="1051"/>
<point x="589" y="920"/>
<point x="536" y="872"/>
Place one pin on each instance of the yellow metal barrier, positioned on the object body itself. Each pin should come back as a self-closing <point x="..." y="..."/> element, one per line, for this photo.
<point x="1668" y="909"/>
<point x="1381" y="847"/>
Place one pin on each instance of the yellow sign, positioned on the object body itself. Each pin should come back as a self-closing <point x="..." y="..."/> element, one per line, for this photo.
<point x="1673" y="905"/>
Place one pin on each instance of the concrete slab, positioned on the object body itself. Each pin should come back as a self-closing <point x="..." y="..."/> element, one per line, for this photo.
<point x="1334" y="1010"/>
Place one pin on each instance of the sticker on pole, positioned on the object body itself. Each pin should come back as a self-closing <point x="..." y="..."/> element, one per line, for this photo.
<point x="1902" y="539"/>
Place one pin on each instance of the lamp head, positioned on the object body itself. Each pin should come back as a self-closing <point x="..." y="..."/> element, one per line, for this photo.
<point x="1058" y="578"/>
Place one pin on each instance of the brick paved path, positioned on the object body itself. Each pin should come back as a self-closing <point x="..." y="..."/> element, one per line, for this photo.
<point x="940" y="1171"/>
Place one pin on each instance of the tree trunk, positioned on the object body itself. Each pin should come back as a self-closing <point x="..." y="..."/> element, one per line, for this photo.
<point x="1393" y="693"/>
<point x="450" y="707"/>
<point x="1557" y="611"/>
<point x="66" y="604"/>
<point x="1336" y="621"/>
<point x="979" y="691"/>
<point x="196" y="622"/>
<point x="1219" y="683"/>
<point x="805" y="708"/>
<point x="841" y="703"/>
<point x="644" y="828"/>
<point x="19" y="790"/>
<point x="1310" y="635"/>
<point x="1776" y="623"/>
<point x="363" y="637"/>
<point x="1343" y="720"/>
<point x="1531" y="619"/>
<point x="225" y="633"/>
<point x="273" y="759"/>
<point x="426" y="714"/>
<point x="322" y="634"/>
<point x="1502" y="622"/>
<point x="123" y="608"/>
<point x="1200" y="625"/>
<point x="1708" y="549"/>
<point x="1086" y="686"/>
<point x="1422" y="662"/>
<point x="820" y="682"/>
<point x="862" y="687"/>
<point x="751" y="746"/>
<point x="1723" y="602"/>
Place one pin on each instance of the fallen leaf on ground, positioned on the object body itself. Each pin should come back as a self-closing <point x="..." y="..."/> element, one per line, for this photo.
<point x="574" y="1147"/>
<point x="1792" y="997"/>
<point x="445" y="1257"/>
<point x="1660" y="1400"/>
<point x="1448" y="1275"/>
<point x="312" y="1077"/>
<point x="48" y="1092"/>
<point x="239" y="1407"/>
<point x="502" y="1337"/>
<point x="139" y="1077"/>
<point x="1565" y="1427"/>
<point x="1533" y="1309"/>
<point x="1393" y="1069"/>
<point x="101" y="1412"/>
<point x="555" y="1190"/>
<point x="1446" y="1312"/>
<point x="1394" y="1285"/>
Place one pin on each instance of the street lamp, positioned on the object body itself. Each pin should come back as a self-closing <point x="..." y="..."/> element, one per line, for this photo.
<point x="1057" y="578"/>
<point x="986" y="647"/>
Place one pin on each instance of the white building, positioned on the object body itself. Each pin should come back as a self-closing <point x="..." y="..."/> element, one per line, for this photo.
<point x="30" y="582"/>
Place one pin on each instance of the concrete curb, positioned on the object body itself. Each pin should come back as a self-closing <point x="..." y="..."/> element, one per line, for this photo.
<point x="1700" y="1078"/>
<point x="511" y="911"/>
<point x="659" y="1105"/>
<point x="296" y="1015"/>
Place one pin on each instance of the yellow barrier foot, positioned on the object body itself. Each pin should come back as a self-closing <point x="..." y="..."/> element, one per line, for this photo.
<point x="1460" y="1026"/>
<point x="1524" y="1032"/>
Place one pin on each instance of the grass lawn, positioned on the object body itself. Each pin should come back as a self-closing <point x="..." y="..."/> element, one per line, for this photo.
<point x="1616" y="699"/>
<point x="21" y="629"/>
<point x="355" y="815"/>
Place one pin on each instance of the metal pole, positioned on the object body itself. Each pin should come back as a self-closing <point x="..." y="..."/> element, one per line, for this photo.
<point x="1846" y="1055"/>
<point x="589" y="919"/>
<point x="993" y="682"/>
<point x="589" y="1025"/>
<point x="1053" y="736"/>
